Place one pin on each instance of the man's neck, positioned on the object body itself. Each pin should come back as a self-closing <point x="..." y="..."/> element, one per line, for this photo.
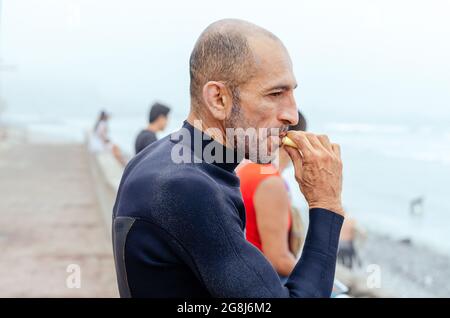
<point x="152" y="128"/>
<point x="213" y="128"/>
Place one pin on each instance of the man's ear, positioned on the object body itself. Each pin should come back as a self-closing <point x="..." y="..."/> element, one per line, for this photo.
<point x="217" y="99"/>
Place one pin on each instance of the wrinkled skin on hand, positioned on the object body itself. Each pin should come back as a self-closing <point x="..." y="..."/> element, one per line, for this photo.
<point x="318" y="169"/>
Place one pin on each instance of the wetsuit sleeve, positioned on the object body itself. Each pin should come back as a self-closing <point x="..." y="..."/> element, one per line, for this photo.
<point x="210" y="230"/>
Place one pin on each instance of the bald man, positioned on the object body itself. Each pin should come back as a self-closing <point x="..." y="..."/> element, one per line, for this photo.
<point x="179" y="219"/>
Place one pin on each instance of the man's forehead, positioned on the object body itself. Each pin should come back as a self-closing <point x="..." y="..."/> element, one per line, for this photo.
<point x="273" y="64"/>
<point x="281" y="78"/>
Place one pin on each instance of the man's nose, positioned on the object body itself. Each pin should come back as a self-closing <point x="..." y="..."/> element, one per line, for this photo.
<point x="289" y="113"/>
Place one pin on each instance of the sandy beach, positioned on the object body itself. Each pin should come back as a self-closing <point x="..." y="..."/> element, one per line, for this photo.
<point x="407" y="269"/>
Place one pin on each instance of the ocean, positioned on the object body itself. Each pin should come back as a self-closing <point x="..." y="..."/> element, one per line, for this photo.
<point x="386" y="166"/>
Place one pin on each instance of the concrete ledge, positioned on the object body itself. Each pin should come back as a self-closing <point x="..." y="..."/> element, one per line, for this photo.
<point x="106" y="173"/>
<point x="50" y="219"/>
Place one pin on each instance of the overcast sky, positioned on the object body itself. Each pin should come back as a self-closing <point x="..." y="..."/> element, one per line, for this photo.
<point x="354" y="59"/>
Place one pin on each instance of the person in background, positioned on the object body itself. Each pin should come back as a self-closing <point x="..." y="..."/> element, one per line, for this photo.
<point x="100" y="141"/>
<point x="157" y="122"/>
<point x="269" y="215"/>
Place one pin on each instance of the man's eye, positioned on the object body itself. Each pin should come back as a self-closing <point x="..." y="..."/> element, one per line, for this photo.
<point x="275" y="94"/>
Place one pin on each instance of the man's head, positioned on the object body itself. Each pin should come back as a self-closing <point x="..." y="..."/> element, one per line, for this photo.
<point x="158" y="116"/>
<point x="242" y="77"/>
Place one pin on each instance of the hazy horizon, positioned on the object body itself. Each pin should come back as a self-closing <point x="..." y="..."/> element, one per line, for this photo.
<point x="354" y="60"/>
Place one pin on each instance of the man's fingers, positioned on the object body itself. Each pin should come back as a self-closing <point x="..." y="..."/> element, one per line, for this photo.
<point x="303" y="144"/>
<point x="310" y="144"/>
<point x="314" y="141"/>
<point x="325" y="141"/>
<point x="318" y="170"/>
<point x="337" y="150"/>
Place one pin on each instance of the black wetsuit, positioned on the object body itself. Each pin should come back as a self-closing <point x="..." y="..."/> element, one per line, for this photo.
<point x="178" y="231"/>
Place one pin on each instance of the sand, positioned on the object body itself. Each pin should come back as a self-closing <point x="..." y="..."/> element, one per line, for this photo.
<point x="407" y="269"/>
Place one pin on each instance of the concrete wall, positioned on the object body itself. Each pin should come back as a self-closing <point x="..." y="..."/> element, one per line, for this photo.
<point x="106" y="172"/>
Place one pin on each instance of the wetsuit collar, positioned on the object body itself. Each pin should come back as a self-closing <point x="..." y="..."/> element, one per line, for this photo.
<point x="226" y="158"/>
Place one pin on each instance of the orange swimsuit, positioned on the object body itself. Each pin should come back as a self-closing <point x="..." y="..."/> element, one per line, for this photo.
<point x="251" y="175"/>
